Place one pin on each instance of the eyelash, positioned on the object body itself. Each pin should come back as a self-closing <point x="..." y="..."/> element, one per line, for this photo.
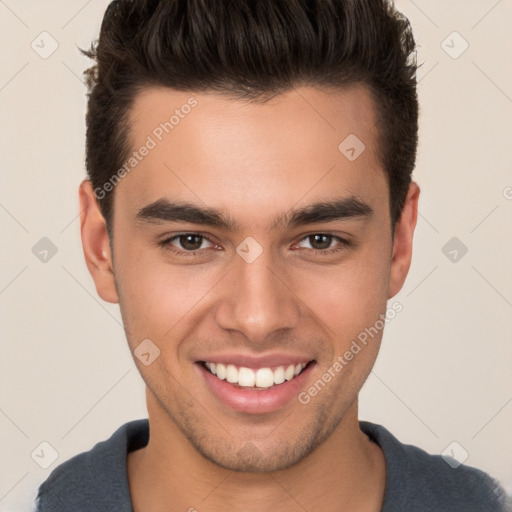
<point x="166" y="244"/>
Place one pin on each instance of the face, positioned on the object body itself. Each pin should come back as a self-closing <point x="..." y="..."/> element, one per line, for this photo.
<point x="244" y="237"/>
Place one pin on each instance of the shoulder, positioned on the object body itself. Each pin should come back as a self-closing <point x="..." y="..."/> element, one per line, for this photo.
<point x="419" y="481"/>
<point x="95" y="479"/>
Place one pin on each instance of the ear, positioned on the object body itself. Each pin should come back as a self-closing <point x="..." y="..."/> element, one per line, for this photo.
<point x="402" y="243"/>
<point x="95" y="244"/>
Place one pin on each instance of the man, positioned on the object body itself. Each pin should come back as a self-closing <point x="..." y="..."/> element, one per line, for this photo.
<point x="250" y="207"/>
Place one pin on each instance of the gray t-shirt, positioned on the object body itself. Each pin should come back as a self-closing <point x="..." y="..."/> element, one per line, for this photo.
<point x="416" y="481"/>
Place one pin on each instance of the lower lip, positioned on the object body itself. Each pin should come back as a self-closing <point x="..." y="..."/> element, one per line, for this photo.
<point x="255" y="401"/>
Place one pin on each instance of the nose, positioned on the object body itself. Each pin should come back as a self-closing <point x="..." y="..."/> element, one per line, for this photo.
<point x="257" y="300"/>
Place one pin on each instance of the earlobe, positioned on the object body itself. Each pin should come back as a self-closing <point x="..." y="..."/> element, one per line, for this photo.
<point x="95" y="243"/>
<point x="403" y="239"/>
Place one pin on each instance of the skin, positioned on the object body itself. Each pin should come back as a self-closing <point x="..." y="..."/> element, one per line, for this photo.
<point x="254" y="162"/>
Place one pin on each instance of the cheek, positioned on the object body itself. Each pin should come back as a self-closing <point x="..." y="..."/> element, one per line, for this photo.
<point x="348" y="297"/>
<point x="156" y="299"/>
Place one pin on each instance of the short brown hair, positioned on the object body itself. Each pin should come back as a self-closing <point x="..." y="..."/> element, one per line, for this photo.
<point x="253" y="50"/>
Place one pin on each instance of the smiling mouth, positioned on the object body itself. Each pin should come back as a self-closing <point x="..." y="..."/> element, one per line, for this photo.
<point x="258" y="379"/>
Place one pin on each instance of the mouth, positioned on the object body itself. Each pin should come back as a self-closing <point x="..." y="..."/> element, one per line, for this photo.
<point x="257" y="379"/>
<point x="255" y="390"/>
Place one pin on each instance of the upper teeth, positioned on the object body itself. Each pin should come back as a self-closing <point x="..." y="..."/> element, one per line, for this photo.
<point x="261" y="378"/>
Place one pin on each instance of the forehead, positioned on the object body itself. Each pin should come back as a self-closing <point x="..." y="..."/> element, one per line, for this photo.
<point x="303" y="111"/>
<point x="260" y="156"/>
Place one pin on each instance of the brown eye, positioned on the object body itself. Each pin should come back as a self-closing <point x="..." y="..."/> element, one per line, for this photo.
<point x="190" y="242"/>
<point x="320" y="241"/>
<point x="187" y="244"/>
<point x="323" y="244"/>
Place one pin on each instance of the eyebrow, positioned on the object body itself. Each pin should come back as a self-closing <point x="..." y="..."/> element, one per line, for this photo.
<point x="163" y="210"/>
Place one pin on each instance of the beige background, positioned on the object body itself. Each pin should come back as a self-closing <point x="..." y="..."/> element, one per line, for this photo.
<point x="443" y="374"/>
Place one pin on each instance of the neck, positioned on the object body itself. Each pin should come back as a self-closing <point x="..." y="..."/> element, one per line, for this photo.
<point x="345" y="472"/>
